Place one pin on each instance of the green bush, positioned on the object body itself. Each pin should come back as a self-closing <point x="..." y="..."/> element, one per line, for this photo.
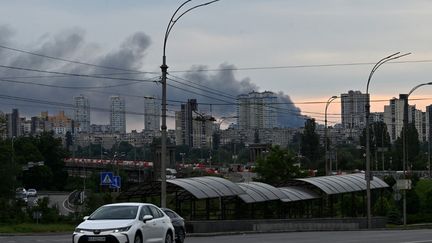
<point x="419" y="218"/>
<point x="394" y="216"/>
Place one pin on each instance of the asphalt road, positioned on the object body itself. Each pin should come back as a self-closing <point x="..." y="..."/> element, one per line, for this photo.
<point x="383" y="236"/>
<point x="57" y="200"/>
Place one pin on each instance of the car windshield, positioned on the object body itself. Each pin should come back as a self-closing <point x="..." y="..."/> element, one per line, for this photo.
<point x="115" y="212"/>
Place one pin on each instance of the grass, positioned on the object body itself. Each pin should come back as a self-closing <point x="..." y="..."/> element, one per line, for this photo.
<point x="36" y="228"/>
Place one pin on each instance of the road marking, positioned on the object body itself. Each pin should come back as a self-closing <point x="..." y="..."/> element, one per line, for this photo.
<point x="64" y="206"/>
<point x="420" y="241"/>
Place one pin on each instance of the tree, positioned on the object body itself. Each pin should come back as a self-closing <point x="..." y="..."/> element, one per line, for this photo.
<point x="8" y="170"/>
<point x="412" y="147"/>
<point x="277" y="166"/>
<point x="349" y="158"/>
<point x="69" y="140"/>
<point x="40" y="177"/>
<point x="53" y="152"/>
<point x="379" y="140"/>
<point x="310" y="143"/>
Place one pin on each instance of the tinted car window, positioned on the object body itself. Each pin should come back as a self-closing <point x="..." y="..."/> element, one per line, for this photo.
<point x="170" y="214"/>
<point x="144" y="211"/>
<point x="156" y="212"/>
<point x="115" y="212"/>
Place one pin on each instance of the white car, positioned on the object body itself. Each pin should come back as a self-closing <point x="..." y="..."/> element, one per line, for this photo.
<point x="125" y="222"/>
<point x="31" y="192"/>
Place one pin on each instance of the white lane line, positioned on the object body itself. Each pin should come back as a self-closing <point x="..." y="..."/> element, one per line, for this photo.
<point x="420" y="241"/>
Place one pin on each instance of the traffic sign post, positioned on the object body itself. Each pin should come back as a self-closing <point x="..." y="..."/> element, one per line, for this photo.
<point x="403" y="184"/>
<point x="106" y="178"/>
<point x="116" y="184"/>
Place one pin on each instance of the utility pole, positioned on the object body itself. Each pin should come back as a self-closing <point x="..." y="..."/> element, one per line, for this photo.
<point x="328" y="160"/>
<point x="368" y="176"/>
<point x="164" y="69"/>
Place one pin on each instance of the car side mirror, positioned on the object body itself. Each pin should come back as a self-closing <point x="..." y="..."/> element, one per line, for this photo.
<point x="146" y="218"/>
<point x="86" y="217"/>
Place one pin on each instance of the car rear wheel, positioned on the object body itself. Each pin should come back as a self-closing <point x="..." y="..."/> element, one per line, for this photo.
<point x="168" y="238"/>
<point x="138" y="238"/>
<point x="180" y="236"/>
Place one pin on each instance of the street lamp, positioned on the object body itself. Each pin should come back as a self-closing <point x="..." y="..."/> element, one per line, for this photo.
<point x="13" y="163"/>
<point x="328" y="166"/>
<point x="367" y="110"/>
<point x="404" y="135"/>
<point x="164" y="68"/>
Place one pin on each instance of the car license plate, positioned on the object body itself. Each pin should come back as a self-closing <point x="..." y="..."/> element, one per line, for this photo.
<point x="96" y="239"/>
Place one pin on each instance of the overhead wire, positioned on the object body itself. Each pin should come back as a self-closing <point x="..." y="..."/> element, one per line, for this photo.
<point x="71" y="74"/>
<point x="294" y="66"/>
<point x="76" y="87"/>
<point x="61" y="104"/>
<point x="206" y="90"/>
<point x="71" y="61"/>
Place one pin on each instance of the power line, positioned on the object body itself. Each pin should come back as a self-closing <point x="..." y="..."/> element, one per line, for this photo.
<point x="193" y="92"/>
<point x="211" y="70"/>
<point x="295" y="66"/>
<point x="75" y="87"/>
<point x="208" y="88"/>
<point x="63" y="105"/>
<point x="71" y="61"/>
<point x="71" y="74"/>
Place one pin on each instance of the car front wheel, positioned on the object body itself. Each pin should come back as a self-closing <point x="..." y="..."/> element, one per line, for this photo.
<point x="180" y="236"/>
<point x="168" y="238"/>
<point x="138" y="238"/>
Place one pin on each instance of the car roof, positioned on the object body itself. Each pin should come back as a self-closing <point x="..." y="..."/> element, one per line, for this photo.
<point x="167" y="209"/>
<point x="128" y="204"/>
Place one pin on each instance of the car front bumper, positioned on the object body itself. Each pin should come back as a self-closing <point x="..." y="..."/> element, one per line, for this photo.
<point x="103" y="238"/>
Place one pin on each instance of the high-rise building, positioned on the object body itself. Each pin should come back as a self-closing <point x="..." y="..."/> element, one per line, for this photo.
<point x="202" y="132"/>
<point x="419" y="120"/>
<point x="353" y="107"/>
<point x="184" y="123"/>
<point x="82" y="113"/>
<point x="393" y="116"/>
<point x="60" y="123"/>
<point x="3" y="125"/>
<point x="152" y="110"/>
<point x="428" y="121"/>
<point x="13" y="124"/>
<point x="376" y="117"/>
<point x="118" y="114"/>
<point x="256" y="110"/>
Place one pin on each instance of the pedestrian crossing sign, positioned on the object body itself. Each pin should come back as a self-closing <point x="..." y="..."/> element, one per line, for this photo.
<point x="106" y="178"/>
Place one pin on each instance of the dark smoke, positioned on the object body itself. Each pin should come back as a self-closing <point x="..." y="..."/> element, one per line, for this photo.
<point x="130" y="55"/>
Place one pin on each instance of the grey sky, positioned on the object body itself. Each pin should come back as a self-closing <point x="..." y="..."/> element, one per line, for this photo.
<point x="243" y="33"/>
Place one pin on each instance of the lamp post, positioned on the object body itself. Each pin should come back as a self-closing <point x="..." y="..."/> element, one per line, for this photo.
<point x="404" y="145"/>
<point x="164" y="68"/>
<point x="13" y="164"/>
<point x="367" y="110"/>
<point x="328" y="163"/>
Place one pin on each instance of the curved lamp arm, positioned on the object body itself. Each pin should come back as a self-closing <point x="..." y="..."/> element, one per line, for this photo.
<point x="174" y="19"/>
<point x="418" y="86"/>
<point x="381" y="62"/>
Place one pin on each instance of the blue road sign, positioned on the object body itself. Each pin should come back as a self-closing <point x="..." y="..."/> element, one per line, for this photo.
<point x="116" y="182"/>
<point x="106" y="178"/>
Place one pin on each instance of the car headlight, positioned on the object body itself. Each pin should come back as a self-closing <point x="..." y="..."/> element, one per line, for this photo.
<point x="122" y="229"/>
<point x="78" y="230"/>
